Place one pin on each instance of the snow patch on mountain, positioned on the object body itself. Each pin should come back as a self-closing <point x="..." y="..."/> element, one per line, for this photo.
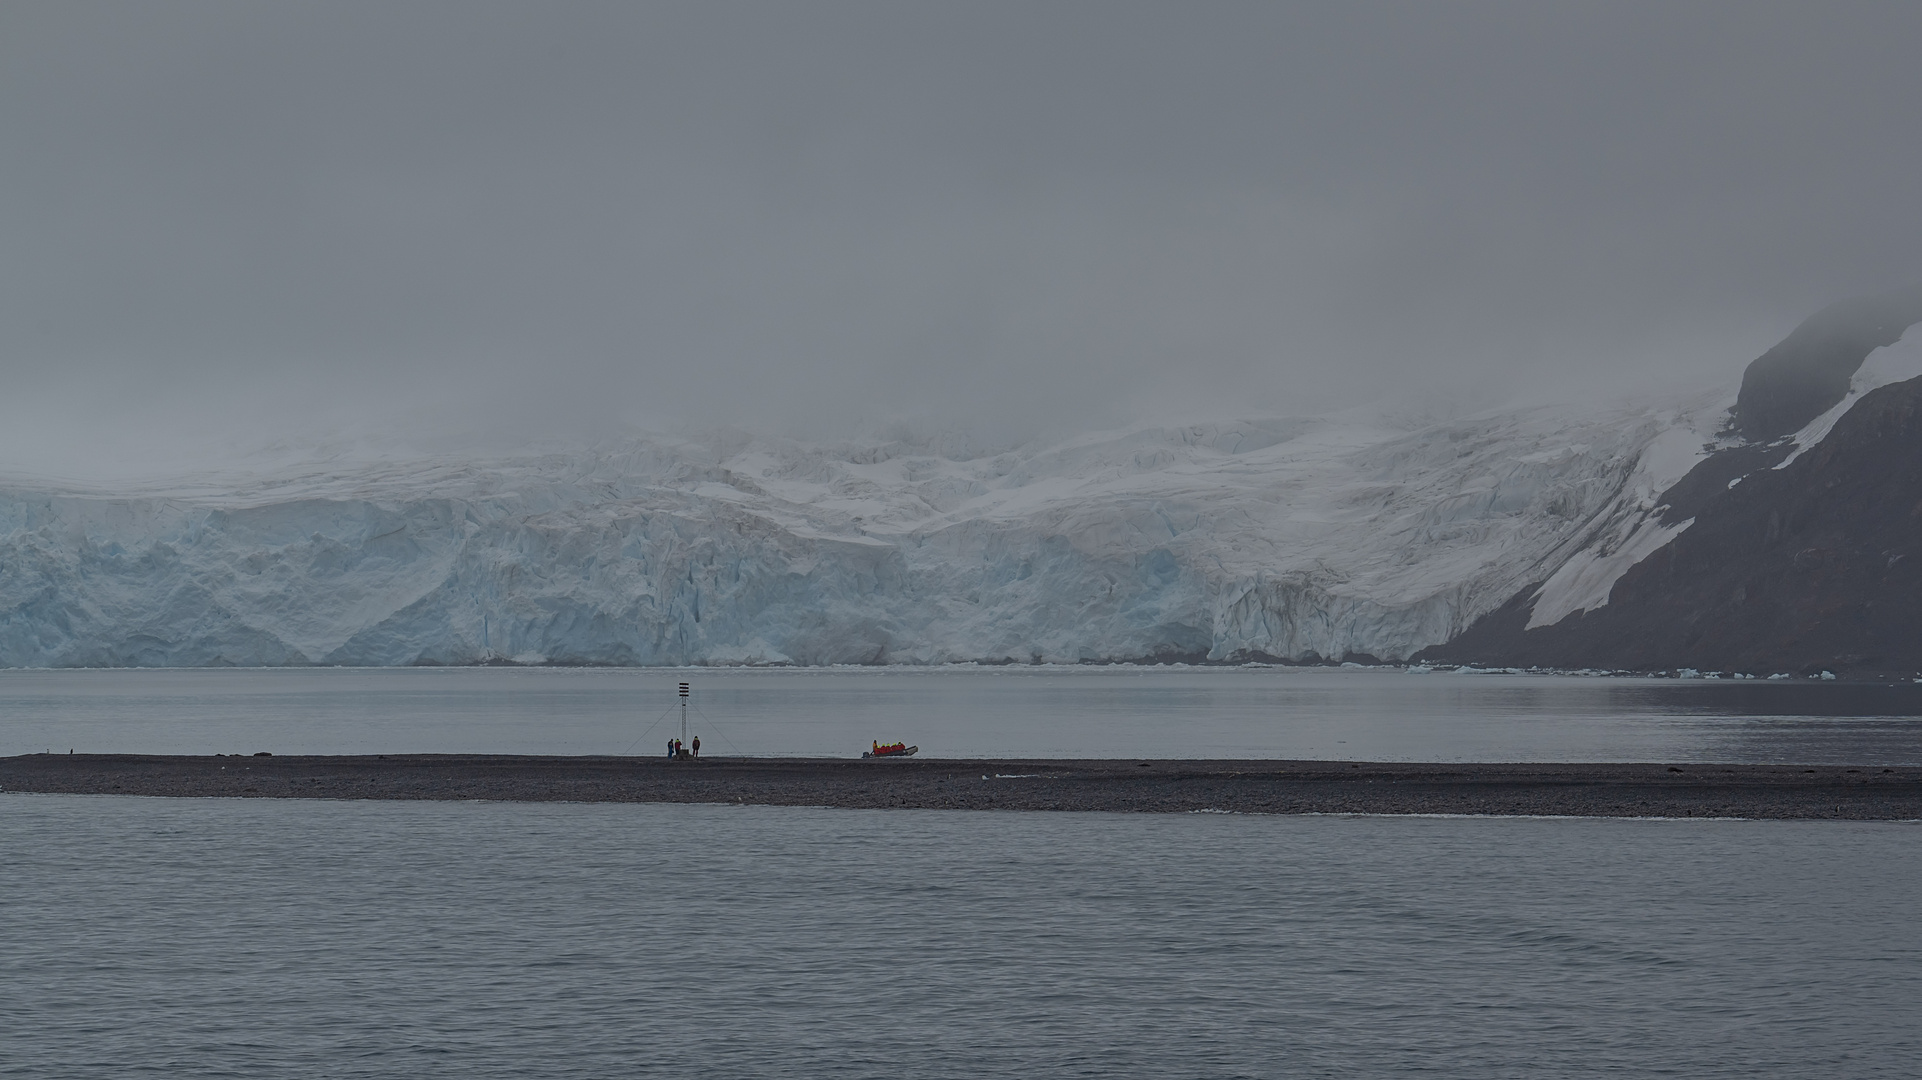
<point x="1585" y="580"/>
<point x="1629" y="529"/>
<point x="1890" y="364"/>
<point x="1633" y="528"/>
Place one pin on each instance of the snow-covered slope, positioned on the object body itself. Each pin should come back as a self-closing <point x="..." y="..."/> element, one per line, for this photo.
<point x="1277" y="538"/>
<point x="1641" y="524"/>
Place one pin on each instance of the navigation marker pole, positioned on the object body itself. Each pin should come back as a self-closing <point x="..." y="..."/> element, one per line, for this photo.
<point x="683" y="714"/>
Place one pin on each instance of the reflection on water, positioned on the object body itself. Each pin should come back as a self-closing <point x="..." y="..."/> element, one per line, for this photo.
<point x="1761" y="698"/>
<point x="965" y="712"/>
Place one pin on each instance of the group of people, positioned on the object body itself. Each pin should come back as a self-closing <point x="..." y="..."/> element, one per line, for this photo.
<point x="676" y="750"/>
<point x="891" y="748"/>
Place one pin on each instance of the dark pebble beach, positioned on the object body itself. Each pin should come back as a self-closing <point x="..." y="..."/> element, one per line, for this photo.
<point x="1863" y="793"/>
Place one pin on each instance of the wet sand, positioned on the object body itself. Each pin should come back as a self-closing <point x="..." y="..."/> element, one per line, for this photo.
<point x="1259" y="787"/>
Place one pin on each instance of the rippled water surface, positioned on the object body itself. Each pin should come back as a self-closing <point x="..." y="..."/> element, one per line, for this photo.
<point x="261" y="938"/>
<point x="1021" y="712"/>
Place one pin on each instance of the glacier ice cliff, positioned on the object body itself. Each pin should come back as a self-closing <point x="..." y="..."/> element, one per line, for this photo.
<point x="1293" y="539"/>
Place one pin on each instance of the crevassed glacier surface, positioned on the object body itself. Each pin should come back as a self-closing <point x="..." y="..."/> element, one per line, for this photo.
<point x="1276" y="538"/>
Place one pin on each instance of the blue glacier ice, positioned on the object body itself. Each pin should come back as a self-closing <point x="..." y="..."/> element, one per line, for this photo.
<point x="1361" y="533"/>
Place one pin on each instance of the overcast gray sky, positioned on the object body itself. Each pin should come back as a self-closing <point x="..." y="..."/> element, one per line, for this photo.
<point x="224" y="220"/>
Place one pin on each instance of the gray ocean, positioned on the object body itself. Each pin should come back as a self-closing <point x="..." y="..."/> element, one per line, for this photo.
<point x="257" y="938"/>
<point x="1380" y="715"/>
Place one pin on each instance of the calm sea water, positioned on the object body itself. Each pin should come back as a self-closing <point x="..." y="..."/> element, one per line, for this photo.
<point x="261" y="938"/>
<point x="1039" y="712"/>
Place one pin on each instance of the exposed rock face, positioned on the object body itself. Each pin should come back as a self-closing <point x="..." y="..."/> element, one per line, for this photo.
<point x="1815" y="564"/>
<point x="1809" y="372"/>
<point x="1763" y="556"/>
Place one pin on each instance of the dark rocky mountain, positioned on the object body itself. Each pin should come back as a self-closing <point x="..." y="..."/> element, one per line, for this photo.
<point x="1809" y="566"/>
<point x="1804" y="376"/>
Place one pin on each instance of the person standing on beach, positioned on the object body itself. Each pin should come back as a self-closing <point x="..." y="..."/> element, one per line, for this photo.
<point x="670" y="749"/>
<point x="697" y="746"/>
